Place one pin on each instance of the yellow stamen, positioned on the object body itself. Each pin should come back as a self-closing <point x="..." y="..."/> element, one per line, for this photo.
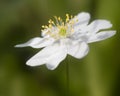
<point x="67" y="17"/>
<point x="59" y="18"/>
<point x="59" y="29"/>
<point x="50" y="26"/>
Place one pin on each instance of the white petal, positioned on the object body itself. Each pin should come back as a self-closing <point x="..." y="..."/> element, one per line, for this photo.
<point x="101" y="36"/>
<point x="81" y="20"/>
<point x="37" y="42"/>
<point x="48" y="56"/>
<point x="78" y="50"/>
<point x="97" y="25"/>
<point x="55" y="59"/>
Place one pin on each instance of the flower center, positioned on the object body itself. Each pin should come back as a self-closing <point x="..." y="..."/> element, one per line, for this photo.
<point x="63" y="31"/>
<point x="59" y="29"/>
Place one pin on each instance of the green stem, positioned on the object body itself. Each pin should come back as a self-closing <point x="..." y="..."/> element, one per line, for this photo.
<point x="67" y="77"/>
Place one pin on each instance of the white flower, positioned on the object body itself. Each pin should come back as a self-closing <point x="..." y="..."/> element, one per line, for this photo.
<point x="70" y="37"/>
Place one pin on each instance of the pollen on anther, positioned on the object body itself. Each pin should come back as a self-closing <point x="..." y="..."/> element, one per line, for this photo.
<point x="43" y="26"/>
<point x="59" y="18"/>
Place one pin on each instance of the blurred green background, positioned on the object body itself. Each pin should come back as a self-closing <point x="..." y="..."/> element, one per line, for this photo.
<point x="98" y="74"/>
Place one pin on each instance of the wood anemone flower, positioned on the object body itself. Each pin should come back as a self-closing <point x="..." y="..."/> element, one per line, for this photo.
<point x="71" y="37"/>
